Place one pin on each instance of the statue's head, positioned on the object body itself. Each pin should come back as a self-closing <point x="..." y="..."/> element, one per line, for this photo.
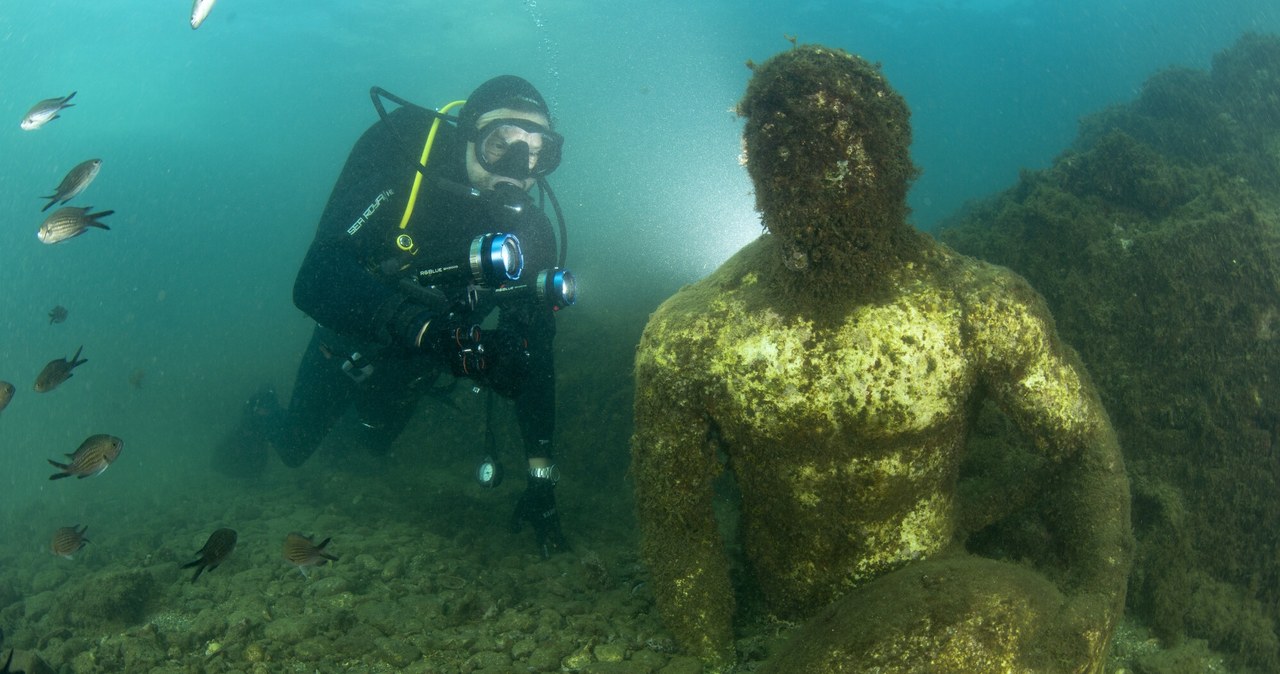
<point x="827" y="147"/>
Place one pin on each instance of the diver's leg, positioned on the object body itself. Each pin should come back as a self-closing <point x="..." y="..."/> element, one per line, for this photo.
<point x="242" y="452"/>
<point x="321" y="394"/>
<point x="385" y="406"/>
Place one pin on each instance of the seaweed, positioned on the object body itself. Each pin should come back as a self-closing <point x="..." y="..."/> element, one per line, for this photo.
<point x="1155" y="240"/>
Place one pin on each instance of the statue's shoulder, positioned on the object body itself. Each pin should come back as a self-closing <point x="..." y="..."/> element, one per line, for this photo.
<point x="738" y="275"/>
<point x="975" y="280"/>
<point x="1004" y="315"/>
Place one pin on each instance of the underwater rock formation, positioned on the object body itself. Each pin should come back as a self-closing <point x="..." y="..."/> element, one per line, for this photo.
<point x="1156" y="241"/>
<point x="832" y="368"/>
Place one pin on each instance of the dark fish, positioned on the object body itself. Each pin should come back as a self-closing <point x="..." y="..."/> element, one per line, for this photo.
<point x="219" y="546"/>
<point x="74" y="182"/>
<point x="45" y="111"/>
<point x="136" y="377"/>
<point x="6" y="394"/>
<point x="94" y="455"/>
<point x="68" y="540"/>
<point x="69" y="222"/>
<point x="57" y="314"/>
<point x="301" y="552"/>
<point x="57" y="371"/>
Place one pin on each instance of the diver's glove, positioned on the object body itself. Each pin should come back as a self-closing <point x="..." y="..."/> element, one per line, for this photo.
<point x="537" y="506"/>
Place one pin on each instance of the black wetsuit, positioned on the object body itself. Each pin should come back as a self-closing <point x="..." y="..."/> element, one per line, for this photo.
<point x="350" y="283"/>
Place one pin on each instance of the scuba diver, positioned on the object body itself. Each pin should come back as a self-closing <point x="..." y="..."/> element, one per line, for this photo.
<point x="429" y="228"/>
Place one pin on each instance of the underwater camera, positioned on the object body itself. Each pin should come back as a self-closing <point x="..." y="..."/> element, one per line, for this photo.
<point x="555" y="287"/>
<point x="492" y="260"/>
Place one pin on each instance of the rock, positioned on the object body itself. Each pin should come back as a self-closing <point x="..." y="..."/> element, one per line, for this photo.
<point x="289" y="630"/>
<point x="30" y="662"/>
<point x="398" y="652"/>
<point x="118" y="598"/>
<point x="682" y="664"/>
<point x="609" y="652"/>
<point x="488" y="660"/>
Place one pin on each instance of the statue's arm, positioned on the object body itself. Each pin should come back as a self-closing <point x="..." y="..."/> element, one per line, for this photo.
<point x="674" y="464"/>
<point x="1042" y="384"/>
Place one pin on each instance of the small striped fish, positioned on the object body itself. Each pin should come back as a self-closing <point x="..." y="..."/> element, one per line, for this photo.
<point x="57" y="371"/>
<point x="69" y="222"/>
<point x="74" y="182"/>
<point x="220" y="545"/>
<point x="301" y="552"/>
<point x="45" y="111"/>
<point x="68" y="540"/>
<point x="95" y="454"/>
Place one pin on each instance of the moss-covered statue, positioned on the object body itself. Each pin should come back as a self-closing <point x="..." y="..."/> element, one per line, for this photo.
<point x="835" y="366"/>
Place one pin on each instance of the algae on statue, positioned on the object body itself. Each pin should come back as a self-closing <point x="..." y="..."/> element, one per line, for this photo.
<point x="833" y="366"/>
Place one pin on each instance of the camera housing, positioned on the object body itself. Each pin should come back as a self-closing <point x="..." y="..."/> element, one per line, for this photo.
<point x="555" y="287"/>
<point x="492" y="259"/>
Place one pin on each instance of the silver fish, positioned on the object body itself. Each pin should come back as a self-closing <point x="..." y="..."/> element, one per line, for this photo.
<point x="74" y="182"/>
<point x="68" y="540"/>
<point x="301" y="552"/>
<point x="94" y="455"/>
<point x="200" y="11"/>
<point x="69" y="222"/>
<point x="57" y="371"/>
<point x="220" y="545"/>
<point x="45" y="111"/>
<point x="6" y="394"/>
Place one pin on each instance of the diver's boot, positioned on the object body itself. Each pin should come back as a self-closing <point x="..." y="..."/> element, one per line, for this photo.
<point x="243" y="452"/>
<point x="262" y="410"/>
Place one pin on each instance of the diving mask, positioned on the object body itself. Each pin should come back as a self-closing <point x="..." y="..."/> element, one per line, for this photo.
<point x="517" y="148"/>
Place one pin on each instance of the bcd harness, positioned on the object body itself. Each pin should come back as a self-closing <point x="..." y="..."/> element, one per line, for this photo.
<point x="404" y="245"/>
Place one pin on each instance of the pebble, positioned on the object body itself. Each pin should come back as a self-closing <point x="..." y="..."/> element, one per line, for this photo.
<point x="521" y="649"/>
<point x="488" y="660"/>
<point x="578" y="659"/>
<point x="609" y="652"/>
<point x="398" y="653"/>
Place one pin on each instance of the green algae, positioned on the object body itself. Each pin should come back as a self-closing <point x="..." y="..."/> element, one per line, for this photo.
<point x="832" y="367"/>
<point x="1154" y="239"/>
